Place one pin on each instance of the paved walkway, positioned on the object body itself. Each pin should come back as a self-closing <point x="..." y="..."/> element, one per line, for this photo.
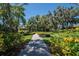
<point x="36" y="47"/>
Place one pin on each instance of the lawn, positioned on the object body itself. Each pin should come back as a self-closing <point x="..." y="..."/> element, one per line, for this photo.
<point x="26" y="38"/>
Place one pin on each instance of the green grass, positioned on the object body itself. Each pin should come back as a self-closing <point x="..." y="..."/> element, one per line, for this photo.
<point x="42" y="32"/>
<point x="26" y="38"/>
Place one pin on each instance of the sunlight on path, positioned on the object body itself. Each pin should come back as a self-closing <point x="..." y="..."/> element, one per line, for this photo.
<point x="36" y="37"/>
<point x="36" y="47"/>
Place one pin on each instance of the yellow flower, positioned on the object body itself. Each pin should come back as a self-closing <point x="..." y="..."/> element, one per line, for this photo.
<point x="65" y="40"/>
<point x="70" y="39"/>
<point x="67" y="48"/>
<point x="76" y="40"/>
<point x="77" y="28"/>
<point x="63" y="50"/>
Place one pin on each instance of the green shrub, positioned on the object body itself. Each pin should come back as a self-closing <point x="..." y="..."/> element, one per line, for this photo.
<point x="60" y="47"/>
<point x="47" y="42"/>
<point x="11" y="39"/>
<point x="56" y="50"/>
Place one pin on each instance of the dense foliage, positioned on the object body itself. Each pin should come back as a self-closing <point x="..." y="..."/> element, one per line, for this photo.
<point x="64" y="42"/>
<point x="60" y="18"/>
<point x="11" y="15"/>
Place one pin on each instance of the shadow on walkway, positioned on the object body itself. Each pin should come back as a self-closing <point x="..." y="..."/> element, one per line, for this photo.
<point x="35" y="48"/>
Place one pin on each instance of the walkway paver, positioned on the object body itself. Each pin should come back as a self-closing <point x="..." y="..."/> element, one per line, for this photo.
<point x="35" y="48"/>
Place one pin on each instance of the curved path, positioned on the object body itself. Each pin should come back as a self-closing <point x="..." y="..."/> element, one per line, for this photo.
<point x="36" y="47"/>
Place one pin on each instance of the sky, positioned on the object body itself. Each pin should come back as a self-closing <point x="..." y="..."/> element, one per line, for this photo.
<point x="33" y="9"/>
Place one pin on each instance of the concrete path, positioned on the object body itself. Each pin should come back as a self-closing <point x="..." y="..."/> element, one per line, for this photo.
<point x="36" y="47"/>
